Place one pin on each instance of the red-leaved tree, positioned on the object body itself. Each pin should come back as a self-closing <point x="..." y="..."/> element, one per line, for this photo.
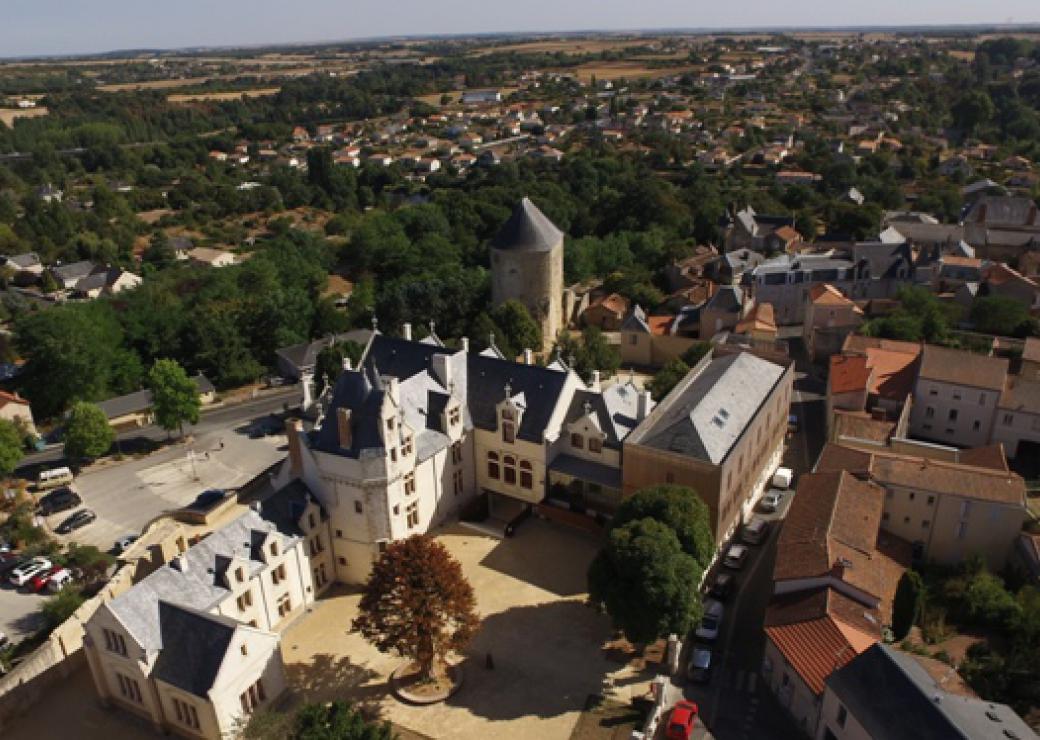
<point x="418" y="604"/>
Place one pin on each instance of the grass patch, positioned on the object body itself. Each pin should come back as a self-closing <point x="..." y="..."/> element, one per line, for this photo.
<point x="607" y="720"/>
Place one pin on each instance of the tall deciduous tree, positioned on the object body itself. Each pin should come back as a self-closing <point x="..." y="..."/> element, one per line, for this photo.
<point x="87" y="432"/>
<point x="645" y="582"/>
<point x="175" y="397"/>
<point x="679" y="508"/>
<point x="906" y="607"/>
<point x="418" y="603"/>
<point x="336" y="720"/>
<point x="10" y="447"/>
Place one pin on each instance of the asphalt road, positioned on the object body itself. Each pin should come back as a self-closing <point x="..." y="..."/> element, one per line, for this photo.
<point x="215" y="419"/>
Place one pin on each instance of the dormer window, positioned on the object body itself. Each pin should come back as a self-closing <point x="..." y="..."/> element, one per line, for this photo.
<point x="595" y="445"/>
<point x="578" y="441"/>
<point x="406" y="447"/>
<point x="508" y="430"/>
<point x="390" y="424"/>
<point x="274" y="548"/>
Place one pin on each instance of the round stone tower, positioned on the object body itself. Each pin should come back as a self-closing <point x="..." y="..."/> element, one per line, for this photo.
<point x="527" y="265"/>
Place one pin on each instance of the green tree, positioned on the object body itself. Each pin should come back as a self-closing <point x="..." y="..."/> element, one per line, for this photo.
<point x="60" y="607"/>
<point x="999" y="315"/>
<point x="329" y="362"/>
<point x="667" y="378"/>
<point x="520" y="330"/>
<point x="909" y="600"/>
<point x="645" y="582"/>
<point x="418" y="603"/>
<point x="91" y="561"/>
<point x="87" y="433"/>
<point x="678" y="507"/>
<point x="11" y="447"/>
<point x="973" y="110"/>
<point x="694" y="354"/>
<point x="175" y="397"/>
<point x="336" y="720"/>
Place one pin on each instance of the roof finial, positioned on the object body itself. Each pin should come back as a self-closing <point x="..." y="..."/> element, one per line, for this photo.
<point x="433" y="327"/>
<point x="588" y="408"/>
<point x="491" y="339"/>
<point x="375" y="323"/>
<point x="509" y="390"/>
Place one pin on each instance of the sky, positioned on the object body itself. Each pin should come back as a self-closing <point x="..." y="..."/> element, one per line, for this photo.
<point x="36" y="27"/>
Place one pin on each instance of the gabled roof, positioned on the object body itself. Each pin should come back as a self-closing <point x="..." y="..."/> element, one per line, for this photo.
<point x="636" y="321"/>
<point x="960" y="367"/>
<point x="825" y="294"/>
<point x="708" y="410"/>
<point x="891" y="695"/>
<point x="194" y="645"/>
<point x="528" y="230"/>
<point x="616" y="410"/>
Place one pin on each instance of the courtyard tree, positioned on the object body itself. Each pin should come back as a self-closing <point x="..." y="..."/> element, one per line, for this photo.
<point x="907" y="605"/>
<point x="175" y="397"/>
<point x="336" y="720"/>
<point x="646" y="582"/>
<point x="667" y="378"/>
<point x="418" y="604"/>
<point x="87" y="432"/>
<point x="10" y="447"/>
<point x="681" y="510"/>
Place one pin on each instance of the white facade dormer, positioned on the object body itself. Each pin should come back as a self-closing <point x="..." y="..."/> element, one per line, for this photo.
<point x="237" y="573"/>
<point x="585" y="438"/>
<point x="510" y="414"/>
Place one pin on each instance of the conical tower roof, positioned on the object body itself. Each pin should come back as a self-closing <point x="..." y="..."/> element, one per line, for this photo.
<point x="527" y="230"/>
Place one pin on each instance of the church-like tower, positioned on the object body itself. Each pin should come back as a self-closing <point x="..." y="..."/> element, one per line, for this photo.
<point x="527" y="265"/>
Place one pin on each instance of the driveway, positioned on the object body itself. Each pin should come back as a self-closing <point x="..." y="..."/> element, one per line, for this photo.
<point x="19" y="612"/>
<point x="547" y="646"/>
<point x="127" y="495"/>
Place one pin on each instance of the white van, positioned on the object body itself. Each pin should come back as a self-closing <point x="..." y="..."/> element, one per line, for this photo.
<point x="782" y="478"/>
<point x="53" y="478"/>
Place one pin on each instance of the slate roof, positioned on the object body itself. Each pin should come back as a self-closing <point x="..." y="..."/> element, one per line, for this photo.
<point x="728" y="299"/>
<point x="1003" y="210"/>
<point x="304" y="355"/>
<point x="615" y="410"/>
<point x="528" y="230"/>
<point x="587" y="470"/>
<point x="194" y="646"/>
<point x="892" y="696"/>
<point x="73" y="271"/>
<point x="540" y="386"/>
<point x="636" y="321"/>
<point x="285" y="506"/>
<point x="194" y="579"/>
<point x="140" y="401"/>
<point x="706" y="413"/>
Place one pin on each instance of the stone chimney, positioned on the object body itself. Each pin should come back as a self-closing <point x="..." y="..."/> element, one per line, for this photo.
<point x="347" y="364"/>
<point x="293" y="429"/>
<point x="528" y="356"/>
<point x="595" y="385"/>
<point x="441" y="365"/>
<point x="465" y="344"/>
<point x="645" y="403"/>
<point x="406" y="331"/>
<point x="343" y="429"/>
<point x="307" y="384"/>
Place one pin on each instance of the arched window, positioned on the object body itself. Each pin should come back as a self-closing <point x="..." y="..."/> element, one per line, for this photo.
<point x="493" y="465"/>
<point x="526" y="475"/>
<point x="509" y="469"/>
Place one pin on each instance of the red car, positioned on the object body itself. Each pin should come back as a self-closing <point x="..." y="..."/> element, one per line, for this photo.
<point x="684" y="717"/>
<point x="39" y="582"/>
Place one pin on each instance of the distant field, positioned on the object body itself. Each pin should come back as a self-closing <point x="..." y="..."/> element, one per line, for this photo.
<point x="628" y="70"/>
<point x="235" y="95"/>
<point x="964" y="56"/>
<point x="153" y="84"/>
<point x="435" y="98"/>
<point x="570" y="46"/>
<point x="8" y="115"/>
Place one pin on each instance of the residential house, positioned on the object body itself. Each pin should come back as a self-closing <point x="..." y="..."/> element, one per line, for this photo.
<point x="106" y="280"/>
<point x="607" y="312"/>
<point x="135" y="409"/>
<point x="829" y="318"/>
<point x="66" y="276"/>
<point x="193" y="647"/>
<point x="653" y="341"/>
<point x="15" y="409"/>
<point x="759" y="325"/>
<point x="26" y="267"/>
<point x="298" y="360"/>
<point x="687" y="272"/>
<point x="1017" y="424"/>
<point x="956" y="396"/>
<point x="720" y="431"/>
<point x="1002" y="227"/>
<point x="785" y="282"/>
<point x="834" y="581"/>
<point x="950" y="509"/>
<point x="1000" y="280"/>
<point x="723" y="311"/>
<point x="886" y="693"/>
<point x="750" y="230"/>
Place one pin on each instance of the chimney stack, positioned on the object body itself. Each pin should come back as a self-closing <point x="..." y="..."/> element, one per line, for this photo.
<point x="293" y="428"/>
<point x="465" y="344"/>
<point x="346" y="436"/>
<point x="528" y="357"/>
<point x="645" y="404"/>
<point x="406" y="331"/>
<point x="595" y="384"/>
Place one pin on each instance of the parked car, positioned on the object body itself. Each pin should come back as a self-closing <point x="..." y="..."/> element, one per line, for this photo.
<point x="771" y="501"/>
<point x="723" y="586"/>
<point x="26" y="570"/>
<point x="5" y="547"/>
<point x="680" y="724"/>
<point x="123" y="543"/>
<point x="782" y="478"/>
<point x="40" y="580"/>
<point x="60" y="580"/>
<point x="754" y="531"/>
<point x="81" y="518"/>
<point x="699" y="667"/>
<point x="735" y="557"/>
<point x="711" y="621"/>
<point x="54" y="477"/>
<point x="62" y="499"/>
<point x="209" y="498"/>
<point x="8" y="562"/>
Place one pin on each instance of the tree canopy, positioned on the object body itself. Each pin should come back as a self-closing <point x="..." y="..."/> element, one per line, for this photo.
<point x="175" y="397"/>
<point x="11" y="447"/>
<point x="679" y="508"/>
<point x="87" y="433"/>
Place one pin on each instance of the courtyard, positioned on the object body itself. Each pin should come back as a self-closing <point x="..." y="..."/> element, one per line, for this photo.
<point x="547" y="647"/>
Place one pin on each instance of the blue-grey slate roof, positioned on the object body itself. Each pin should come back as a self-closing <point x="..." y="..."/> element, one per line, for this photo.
<point x="528" y="230"/>
<point x="194" y="646"/>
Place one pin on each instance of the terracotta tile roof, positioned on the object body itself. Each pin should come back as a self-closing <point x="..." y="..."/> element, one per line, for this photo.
<point x="990" y="456"/>
<point x="999" y="273"/>
<point x="816" y="647"/>
<point x="1031" y="352"/>
<point x="861" y="425"/>
<point x="659" y="324"/>
<point x="952" y="259"/>
<point x="860" y="344"/>
<point x="6" y="398"/>
<point x="827" y="295"/>
<point x="848" y="373"/>
<point x="616" y="303"/>
<point x="959" y="367"/>
<point x="909" y="471"/>
<point x="787" y="234"/>
<point x="760" y="319"/>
